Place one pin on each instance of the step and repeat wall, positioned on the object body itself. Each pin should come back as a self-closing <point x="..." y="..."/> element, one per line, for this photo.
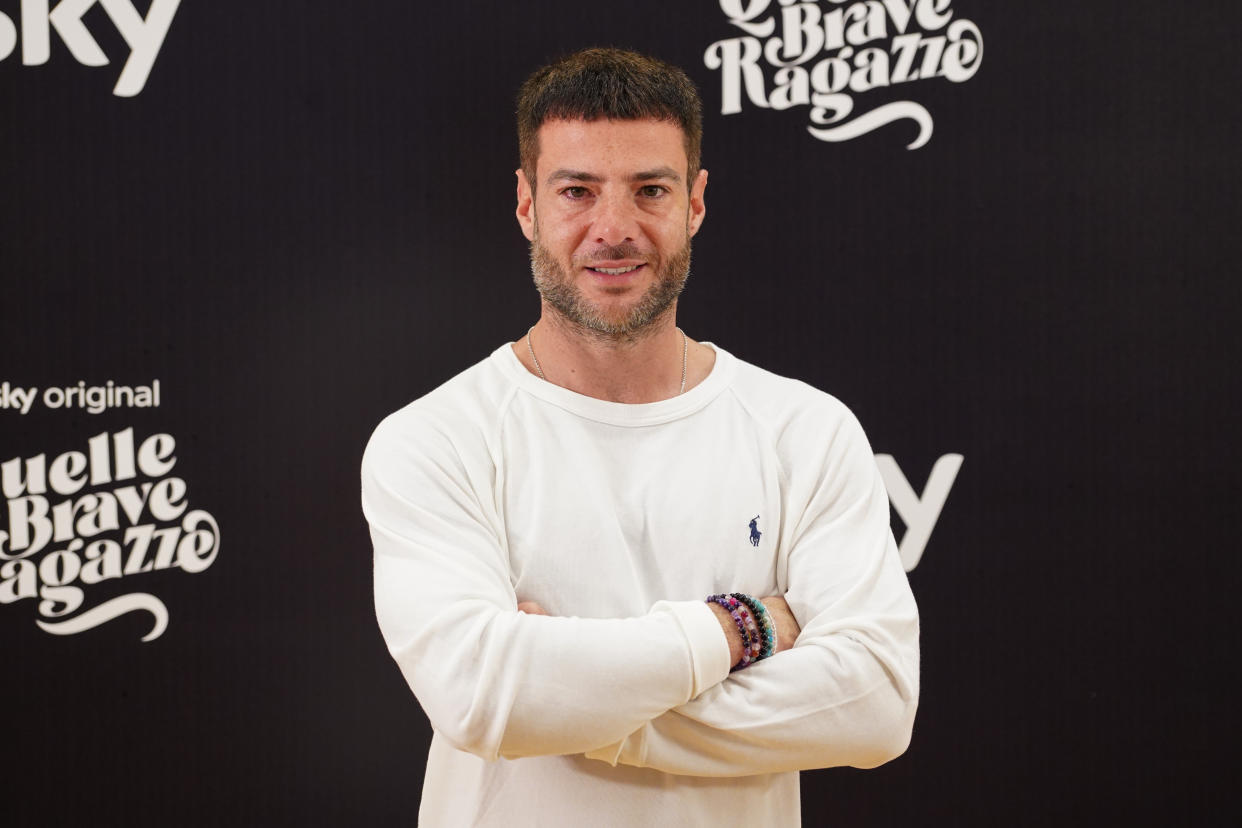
<point x="234" y="236"/>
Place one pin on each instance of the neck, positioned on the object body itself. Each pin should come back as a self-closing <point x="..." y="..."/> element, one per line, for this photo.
<point x="642" y="367"/>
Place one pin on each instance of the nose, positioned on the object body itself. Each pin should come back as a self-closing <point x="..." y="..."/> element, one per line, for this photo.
<point x="616" y="219"/>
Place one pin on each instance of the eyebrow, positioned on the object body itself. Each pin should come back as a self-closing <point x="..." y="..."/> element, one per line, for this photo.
<point x="564" y="174"/>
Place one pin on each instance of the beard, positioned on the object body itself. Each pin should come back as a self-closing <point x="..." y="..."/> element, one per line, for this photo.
<point x="559" y="290"/>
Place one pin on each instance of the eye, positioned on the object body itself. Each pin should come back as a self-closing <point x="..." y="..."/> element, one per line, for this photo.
<point x="575" y="193"/>
<point x="652" y="191"/>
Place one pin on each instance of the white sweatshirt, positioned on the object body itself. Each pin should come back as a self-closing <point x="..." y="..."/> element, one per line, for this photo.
<point x="620" y="519"/>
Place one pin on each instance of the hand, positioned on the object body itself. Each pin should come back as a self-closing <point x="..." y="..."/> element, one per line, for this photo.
<point x="787" y="629"/>
<point x="531" y="608"/>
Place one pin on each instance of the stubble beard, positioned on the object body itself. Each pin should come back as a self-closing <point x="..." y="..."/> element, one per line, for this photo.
<point x="560" y="291"/>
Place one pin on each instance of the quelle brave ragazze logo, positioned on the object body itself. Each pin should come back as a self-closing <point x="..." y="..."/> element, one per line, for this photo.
<point x="827" y="55"/>
<point x="84" y="519"/>
<point x="29" y="34"/>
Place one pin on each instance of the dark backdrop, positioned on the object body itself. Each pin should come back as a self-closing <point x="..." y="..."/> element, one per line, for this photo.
<point x="304" y="220"/>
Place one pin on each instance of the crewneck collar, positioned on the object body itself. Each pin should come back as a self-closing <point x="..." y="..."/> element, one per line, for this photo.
<point x="615" y="413"/>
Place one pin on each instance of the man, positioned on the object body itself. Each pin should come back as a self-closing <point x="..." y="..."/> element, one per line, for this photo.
<point x="548" y="524"/>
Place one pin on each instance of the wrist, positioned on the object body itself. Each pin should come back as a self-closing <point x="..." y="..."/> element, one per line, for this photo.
<point x="764" y="636"/>
<point x="733" y="636"/>
<point x="739" y="610"/>
<point x="755" y="629"/>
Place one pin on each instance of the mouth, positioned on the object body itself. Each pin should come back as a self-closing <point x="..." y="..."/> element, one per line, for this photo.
<point x="615" y="270"/>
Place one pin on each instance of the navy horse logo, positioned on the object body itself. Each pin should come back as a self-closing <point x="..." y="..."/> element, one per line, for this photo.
<point x="754" y="531"/>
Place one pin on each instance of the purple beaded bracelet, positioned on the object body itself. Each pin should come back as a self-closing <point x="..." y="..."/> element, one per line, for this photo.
<point x="752" y="640"/>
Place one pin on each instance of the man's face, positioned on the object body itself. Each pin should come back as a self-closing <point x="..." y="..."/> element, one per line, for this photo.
<point x="610" y="221"/>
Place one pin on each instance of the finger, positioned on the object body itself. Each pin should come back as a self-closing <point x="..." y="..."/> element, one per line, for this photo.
<point x="531" y="608"/>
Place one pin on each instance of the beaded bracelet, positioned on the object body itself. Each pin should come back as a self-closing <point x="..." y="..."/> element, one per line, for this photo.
<point x="752" y="640"/>
<point x="767" y="628"/>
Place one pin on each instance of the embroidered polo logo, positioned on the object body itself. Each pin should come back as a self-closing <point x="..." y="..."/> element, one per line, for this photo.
<point x="754" y="531"/>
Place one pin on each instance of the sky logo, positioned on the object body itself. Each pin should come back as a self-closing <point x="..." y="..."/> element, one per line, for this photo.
<point x="145" y="36"/>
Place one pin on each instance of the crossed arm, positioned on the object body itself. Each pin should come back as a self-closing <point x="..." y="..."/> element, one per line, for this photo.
<point x="786" y="625"/>
<point x="652" y="691"/>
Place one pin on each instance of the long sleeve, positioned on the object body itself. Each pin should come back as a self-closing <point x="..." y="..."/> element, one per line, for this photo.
<point x="493" y="681"/>
<point x="846" y="694"/>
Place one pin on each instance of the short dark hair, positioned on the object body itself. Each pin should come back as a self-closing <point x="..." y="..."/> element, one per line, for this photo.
<point x="608" y="83"/>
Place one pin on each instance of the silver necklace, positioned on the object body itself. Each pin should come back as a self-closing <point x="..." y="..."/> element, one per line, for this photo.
<point x="685" y="353"/>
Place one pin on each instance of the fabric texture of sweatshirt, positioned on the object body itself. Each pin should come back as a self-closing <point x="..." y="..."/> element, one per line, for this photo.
<point x="619" y="709"/>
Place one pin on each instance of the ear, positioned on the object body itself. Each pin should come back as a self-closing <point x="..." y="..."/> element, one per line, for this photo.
<point x="525" y="206"/>
<point x="698" y="207"/>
